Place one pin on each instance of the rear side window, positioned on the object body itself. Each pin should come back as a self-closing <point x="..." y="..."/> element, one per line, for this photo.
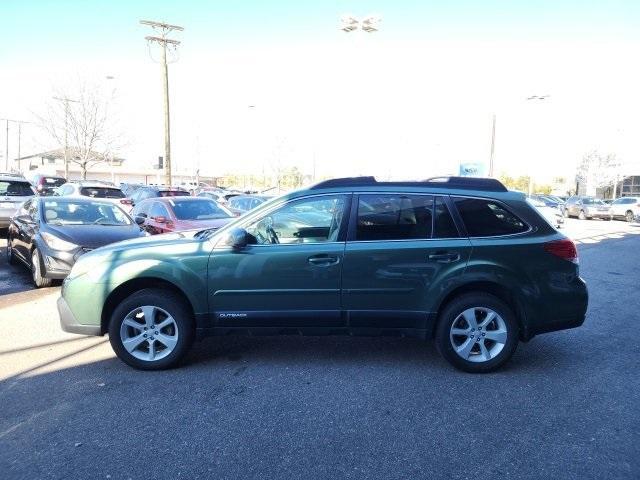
<point x="485" y="218"/>
<point x="101" y="192"/>
<point x="15" y="189"/>
<point x="394" y="217"/>
<point x="444" y="227"/>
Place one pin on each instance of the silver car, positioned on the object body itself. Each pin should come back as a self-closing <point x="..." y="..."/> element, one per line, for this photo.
<point x="14" y="191"/>
<point x="586" y="208"/>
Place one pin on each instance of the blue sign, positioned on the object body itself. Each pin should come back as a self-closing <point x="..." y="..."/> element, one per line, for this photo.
<point x="473" y="169"/>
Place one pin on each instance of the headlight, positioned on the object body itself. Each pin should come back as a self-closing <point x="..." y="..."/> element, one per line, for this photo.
<point x="57" y="243"/>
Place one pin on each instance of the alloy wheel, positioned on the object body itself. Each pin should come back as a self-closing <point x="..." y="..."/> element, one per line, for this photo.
<point x="629" y="216"/>
<point x="478" y="334"/>
<point x="149" y="333"/>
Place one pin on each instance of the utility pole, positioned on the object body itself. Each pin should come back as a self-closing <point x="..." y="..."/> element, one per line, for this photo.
<point x="6" y="148"/>
<point x="163" y="29"/>
<point x="493" y="145"/>
<point x="66" y="101"/>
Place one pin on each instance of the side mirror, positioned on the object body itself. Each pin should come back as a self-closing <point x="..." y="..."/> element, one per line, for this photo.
<point x="139" y="220"/>
<point x="236" y="238"/>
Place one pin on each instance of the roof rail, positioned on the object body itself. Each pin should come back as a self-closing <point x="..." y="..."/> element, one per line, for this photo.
<point x="464" y="183"/>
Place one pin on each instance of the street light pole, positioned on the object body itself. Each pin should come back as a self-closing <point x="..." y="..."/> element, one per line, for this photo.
<point x="6" y="148"/>
<point x="66" y="101"/>
<point x="163" y="41"/>
<point x="534" y="98"/>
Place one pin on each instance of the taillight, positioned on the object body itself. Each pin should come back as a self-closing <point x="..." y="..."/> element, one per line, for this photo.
<point x="564" y="249"/>
<point x="125" y="201"/>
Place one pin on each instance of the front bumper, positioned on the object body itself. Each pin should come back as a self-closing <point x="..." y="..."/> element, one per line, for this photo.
<point x="69" y="323"/>
<point x="597" y="214"/>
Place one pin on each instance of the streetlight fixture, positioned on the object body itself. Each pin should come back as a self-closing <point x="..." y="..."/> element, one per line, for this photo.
<point x="369" y="24"/>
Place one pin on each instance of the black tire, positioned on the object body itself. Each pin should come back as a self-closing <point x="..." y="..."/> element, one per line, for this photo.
<point x="582" y="215"/>
<point x="11" y="258"/>
<point x="38" y="271"/>
<point x="451" y="314"/>
<point x="171" y="303"/>
<point x="629" y="216"/>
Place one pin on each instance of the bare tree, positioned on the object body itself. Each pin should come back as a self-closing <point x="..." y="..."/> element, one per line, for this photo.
<point x="598" y="170"/>
<point x="81" y="120"/>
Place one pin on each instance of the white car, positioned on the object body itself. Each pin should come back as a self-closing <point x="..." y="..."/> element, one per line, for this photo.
<point x="553" y="215"/>
<point x="627" y="208"/>
<point x="89" y="189"/>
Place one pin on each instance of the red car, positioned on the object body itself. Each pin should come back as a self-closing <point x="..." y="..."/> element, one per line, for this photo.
<point x="176" y="214"/>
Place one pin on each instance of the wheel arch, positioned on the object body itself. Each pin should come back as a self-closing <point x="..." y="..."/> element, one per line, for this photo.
<point x="496" y="289"/>
<point x="129" y="287"/>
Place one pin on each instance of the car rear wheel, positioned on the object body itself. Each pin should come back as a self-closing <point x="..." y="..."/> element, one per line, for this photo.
<point x="151" y="330"/>
<point x="582" y="215"/>
<point x="38" y="271"/>
<point x="566" y="213"/>
<point x="11" y="258"/>
<point x="477" y="333"/>
<point x="629" y="217"/>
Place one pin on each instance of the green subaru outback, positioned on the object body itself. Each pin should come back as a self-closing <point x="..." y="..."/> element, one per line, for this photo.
<point x="459" y="260"/>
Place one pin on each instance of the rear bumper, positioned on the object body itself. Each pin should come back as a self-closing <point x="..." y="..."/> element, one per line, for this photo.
<point x="567" y="310"/>
<point x="69" y="323"/>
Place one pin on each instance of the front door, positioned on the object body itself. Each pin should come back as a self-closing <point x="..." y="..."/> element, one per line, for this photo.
<point x="290" y="273"/>
<point x="401" y="249"/>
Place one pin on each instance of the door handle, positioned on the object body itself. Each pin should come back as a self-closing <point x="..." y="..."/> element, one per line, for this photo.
<point x="323" y="260"/>
<point x="445" y="257"/>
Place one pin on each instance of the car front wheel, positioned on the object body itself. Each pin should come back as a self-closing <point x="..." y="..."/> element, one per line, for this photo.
<point x="629" y="216"/>
<point x="11" y="258"/>
<point x="151" y="330"/>
<point x="477" y="333"/>
<point x="38" y="271"/>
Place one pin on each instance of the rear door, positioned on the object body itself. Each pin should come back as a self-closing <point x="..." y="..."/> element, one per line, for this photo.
<point x="401" y="249"/>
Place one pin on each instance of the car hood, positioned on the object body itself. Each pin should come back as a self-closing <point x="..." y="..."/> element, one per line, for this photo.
<point x="182" y="225"/>
<point x="95" y="236"/>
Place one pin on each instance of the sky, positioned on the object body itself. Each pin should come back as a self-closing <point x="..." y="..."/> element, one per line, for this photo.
<point x="259" y="84"/>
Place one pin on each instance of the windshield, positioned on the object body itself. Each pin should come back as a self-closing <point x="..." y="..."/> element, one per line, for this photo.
<point x="198" y="209"/>
<point x="15" y="189"/>
<point x="102" y="192"/>
<point x="84" y="213"/>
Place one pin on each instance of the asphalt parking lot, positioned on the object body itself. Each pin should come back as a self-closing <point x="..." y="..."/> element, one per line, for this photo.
<point x="566" y="406"/>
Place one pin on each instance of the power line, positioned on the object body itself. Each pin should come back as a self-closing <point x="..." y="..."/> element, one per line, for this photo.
<point x="163" y="29"/>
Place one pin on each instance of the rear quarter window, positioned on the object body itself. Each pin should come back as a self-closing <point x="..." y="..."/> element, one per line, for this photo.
<point x="486" y="218"/>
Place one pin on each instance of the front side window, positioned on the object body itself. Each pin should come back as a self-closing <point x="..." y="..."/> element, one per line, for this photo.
<point x="394" y="217"/>
<point x="309" y="220"/>
<point x="486" y="218"/>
